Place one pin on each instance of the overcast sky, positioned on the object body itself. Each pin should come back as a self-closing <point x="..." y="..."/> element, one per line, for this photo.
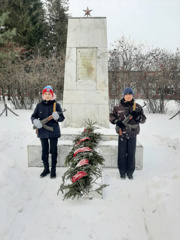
<point x="154" y="22"/>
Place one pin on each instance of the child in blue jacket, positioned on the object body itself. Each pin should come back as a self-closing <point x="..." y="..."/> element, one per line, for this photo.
<point x="49" y="139"/>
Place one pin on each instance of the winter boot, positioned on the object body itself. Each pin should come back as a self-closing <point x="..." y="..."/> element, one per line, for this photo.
<point x="130" y="176"/>
<point x="46" y="170"/>
<point x="53" y="169"/>
<point x="53" y="164"/>
<point x="53" y="172"/>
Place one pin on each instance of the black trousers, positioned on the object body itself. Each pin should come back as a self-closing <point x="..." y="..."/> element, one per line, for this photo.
<point x="49" y="145"/>
<point x="126" y="155"/>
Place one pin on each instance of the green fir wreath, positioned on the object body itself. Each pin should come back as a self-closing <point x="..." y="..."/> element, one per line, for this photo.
<point x="85" y="165"/>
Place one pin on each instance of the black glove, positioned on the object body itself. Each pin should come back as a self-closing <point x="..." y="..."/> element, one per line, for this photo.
<point x="120" y="124"/>
<point x="135" y="115"/>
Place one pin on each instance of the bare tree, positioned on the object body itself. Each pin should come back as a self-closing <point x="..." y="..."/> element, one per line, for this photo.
<point x="125" y="61"/>
<point x="154" y="73"/>
<point x="160" y="78"/>
<point x="24" y="78"/>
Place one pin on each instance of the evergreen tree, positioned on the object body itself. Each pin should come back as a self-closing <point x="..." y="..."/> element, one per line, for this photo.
<point x="85" y="165"/>
<point x="9" y="53"/>
<point x="57" y="20"/>
<point x="28" y="17"/>
<point x="2" y="4"/>
<point x="5" y="34"/>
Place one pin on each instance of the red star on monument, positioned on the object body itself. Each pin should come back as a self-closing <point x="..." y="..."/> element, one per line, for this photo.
<point x="87" y="12"/>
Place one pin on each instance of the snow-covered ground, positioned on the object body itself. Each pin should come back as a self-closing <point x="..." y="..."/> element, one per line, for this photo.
<point x="147" y="208"/>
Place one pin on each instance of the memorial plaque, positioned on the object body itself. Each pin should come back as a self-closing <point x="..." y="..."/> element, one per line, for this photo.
<point x="86" y="64"/>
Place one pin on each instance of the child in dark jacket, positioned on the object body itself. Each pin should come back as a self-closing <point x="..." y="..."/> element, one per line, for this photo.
<point x="127" y="136"/>
<point x="49" y="139"/>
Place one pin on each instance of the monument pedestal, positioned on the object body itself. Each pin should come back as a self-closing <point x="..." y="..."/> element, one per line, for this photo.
<point x="108" y="148"/>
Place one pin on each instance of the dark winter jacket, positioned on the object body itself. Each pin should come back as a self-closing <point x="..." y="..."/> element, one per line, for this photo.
<point x="43" y="110"/>
<point x="121" y="111"/>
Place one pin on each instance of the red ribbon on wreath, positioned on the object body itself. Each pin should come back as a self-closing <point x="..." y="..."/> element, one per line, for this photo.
<point x="87" y="130"/>
<point x="84" y="149"/>
<point x="83" y="139"/>
<point x="82" y="162"/>
<point x="78" y="175"/>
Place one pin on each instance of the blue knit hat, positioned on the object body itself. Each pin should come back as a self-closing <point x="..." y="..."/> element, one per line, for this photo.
<point x="128" y="90"/>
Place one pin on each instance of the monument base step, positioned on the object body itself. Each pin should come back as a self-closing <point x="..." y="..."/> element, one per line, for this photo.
<point x="108" y="149"/>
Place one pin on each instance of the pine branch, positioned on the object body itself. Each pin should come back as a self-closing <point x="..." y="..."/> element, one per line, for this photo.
<point x="93" y="167"/>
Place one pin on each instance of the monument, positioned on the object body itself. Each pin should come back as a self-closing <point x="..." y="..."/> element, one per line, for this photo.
<point x="86" y="73"/>
<point x="85" y="92"/>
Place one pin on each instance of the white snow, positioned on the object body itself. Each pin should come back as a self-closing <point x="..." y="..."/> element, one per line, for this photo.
<point x="147" y="208"/>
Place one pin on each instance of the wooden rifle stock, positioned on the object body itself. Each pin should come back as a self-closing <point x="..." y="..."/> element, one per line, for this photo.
<point x="120" y="132"/>
<point x="45" y="120"/>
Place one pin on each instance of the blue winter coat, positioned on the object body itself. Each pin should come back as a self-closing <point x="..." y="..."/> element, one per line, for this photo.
<point x="43" y="110"/>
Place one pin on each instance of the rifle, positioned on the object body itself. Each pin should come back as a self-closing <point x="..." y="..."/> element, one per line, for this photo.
<point x="45" y="120"/>
<point x="126" y="124"/>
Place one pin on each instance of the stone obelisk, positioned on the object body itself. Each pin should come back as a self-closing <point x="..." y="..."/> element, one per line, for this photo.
<point x="86" y="93"/>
